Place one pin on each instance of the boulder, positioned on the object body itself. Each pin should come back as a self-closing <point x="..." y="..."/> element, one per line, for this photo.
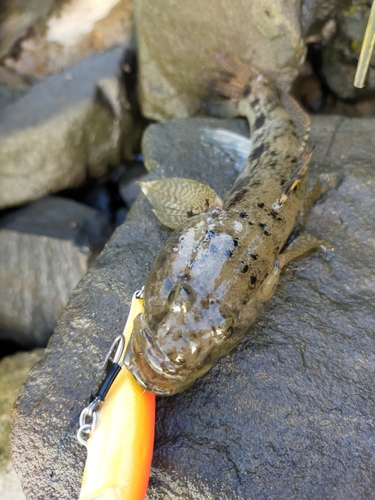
<point x="66" y="128"/>
<point x="340" y="56"/>
<point x="175" y="45"/>
<point x="13" y="371"/>
<point x="12" y="87"/>
<point x="45" y="249"/>
<point x="17" y="16"/>
<point x="75" y="29"/>
<point x="289" y="413"/>
<point x="128" y="182"/>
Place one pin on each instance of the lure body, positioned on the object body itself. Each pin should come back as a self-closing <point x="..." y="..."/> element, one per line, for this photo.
<point x="119" y="451"/>
<point x="215" y="273"/>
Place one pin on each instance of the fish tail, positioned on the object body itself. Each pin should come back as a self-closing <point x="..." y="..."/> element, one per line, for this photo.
<point x="234" y="81"/>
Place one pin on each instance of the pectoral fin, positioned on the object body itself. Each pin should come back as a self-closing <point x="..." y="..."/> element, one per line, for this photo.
<point x="235" y="146"/>
<point x="303" y="245"/>
<point x="174" y="200"/>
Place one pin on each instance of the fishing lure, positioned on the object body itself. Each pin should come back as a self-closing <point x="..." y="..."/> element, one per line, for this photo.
<point x="120" y="439"/>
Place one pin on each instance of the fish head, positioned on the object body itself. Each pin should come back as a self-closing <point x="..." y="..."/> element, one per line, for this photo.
<point x="177" y="339"/>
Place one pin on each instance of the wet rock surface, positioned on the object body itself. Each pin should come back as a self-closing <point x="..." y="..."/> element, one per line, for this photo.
<point x="13" y="371"/>
<point x="71" y="126"/>
<point x="45" y="249"/>
<point x="289" y="414"/>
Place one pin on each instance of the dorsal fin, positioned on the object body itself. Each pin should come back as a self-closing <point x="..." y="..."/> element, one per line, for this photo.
<point x="299" y="116"/>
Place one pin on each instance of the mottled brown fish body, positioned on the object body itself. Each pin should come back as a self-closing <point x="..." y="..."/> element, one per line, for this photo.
<point x="213" y="276"/>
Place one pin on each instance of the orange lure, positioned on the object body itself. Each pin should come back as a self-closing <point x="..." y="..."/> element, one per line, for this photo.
<point x="119" y="451"/>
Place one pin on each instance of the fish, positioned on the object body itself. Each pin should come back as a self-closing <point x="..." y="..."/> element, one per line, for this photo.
<point x="219" y="268"/>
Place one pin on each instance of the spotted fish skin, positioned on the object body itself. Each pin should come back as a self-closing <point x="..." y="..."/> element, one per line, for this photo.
<point x="215" y="273"/>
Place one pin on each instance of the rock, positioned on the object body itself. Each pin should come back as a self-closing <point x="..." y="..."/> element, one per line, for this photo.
<point x="128" y="182"/>
<point x="12" y="87"/>
<point x="174" y="45"/>
<point x="45" y="249"/>
<point x="13" y="370"/>
<point x="77" y="30"/>
<point x="315" y="13"/>
<point x="78" y="18"/>
<point x="361" y="108"/>
<point x="103" y="195"/>
<point x="341" y="55"/>
<point x="9" y="95"/>
<point x="17" y="16"/>
<point x="175" y="62"/>
<point x="70" y="126"/>
<point x="288" y="414"/>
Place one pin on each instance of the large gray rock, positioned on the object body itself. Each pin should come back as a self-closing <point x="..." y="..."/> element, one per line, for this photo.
<point x="9" y="95"/>
<point x="314" y="13"/>
<point x="72" y="32"/>
<point x="289" y="414"/>
<point x="340" y="57"/>
<point x="128" y="182"/>
<point x="175" y="45"/>
<point x="45" y="249"/>
<point x="13" y="371"/>
<point x="70" y="126"/>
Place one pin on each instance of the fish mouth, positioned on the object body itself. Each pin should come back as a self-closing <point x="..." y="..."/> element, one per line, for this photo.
<point x="156" y="358"/>
<point x="146" y="377"/>
<point x="148" y="369"/>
